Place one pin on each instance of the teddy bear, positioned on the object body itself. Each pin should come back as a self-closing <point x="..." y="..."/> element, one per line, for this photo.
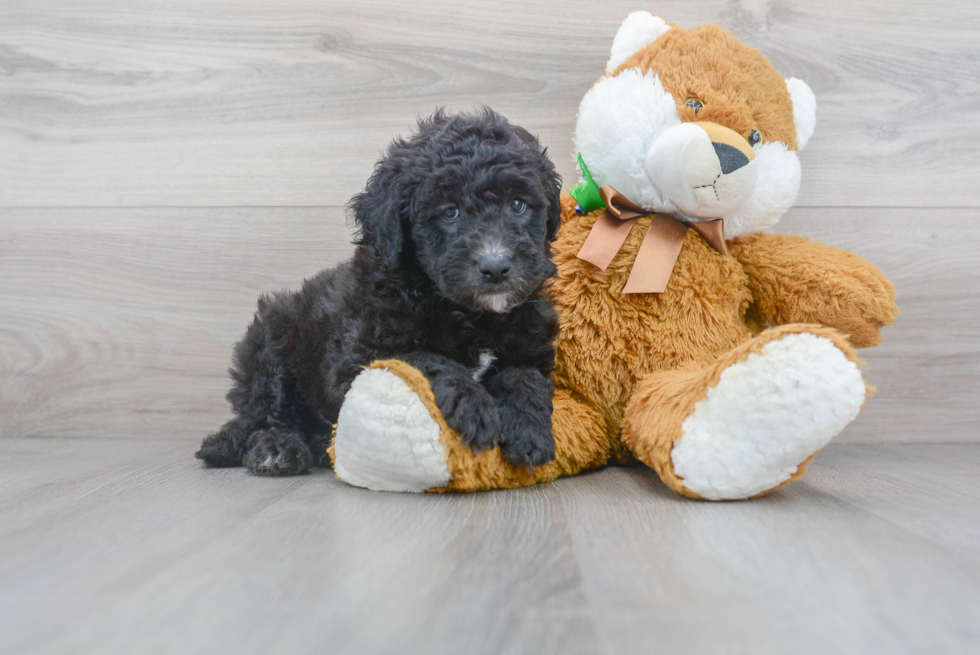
<point x="691" y="340"/>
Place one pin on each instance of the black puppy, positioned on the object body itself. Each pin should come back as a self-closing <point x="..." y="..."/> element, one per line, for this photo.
<point x="454" y="231"/>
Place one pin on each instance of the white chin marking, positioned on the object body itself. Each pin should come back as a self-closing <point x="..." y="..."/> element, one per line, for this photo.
<point x="766" y="415"/>
<point x="386" y="438"/>
<point x="496" y="302"/>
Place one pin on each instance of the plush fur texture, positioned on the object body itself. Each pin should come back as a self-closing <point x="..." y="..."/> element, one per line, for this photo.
<point x="395" y="450"/>
<point x="804" y="110"/>
<point x="638" y="29"/>
<point x="747" y="354"/>
<point x="631" y="369"/>
<point x="777" y="428"/>
<point x="631" y="110"/>
<point x="736" y="85"/>
<point x="609" y="342"/>
<point x="468" y="470"/>
<point x="795" y="280"/>
<point x="643" y="102"/>
<point x="779" y="413"/>
<point x="454" y="231"/>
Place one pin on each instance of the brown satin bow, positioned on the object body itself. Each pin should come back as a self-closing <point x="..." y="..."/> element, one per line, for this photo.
<point x="659" y="249"/>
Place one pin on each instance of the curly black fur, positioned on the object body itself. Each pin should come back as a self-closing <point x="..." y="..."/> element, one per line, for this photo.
<point x="454" y="230"/>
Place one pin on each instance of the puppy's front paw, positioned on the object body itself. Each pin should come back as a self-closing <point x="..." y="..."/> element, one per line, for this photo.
<point x="468" y="409"/>
<point x="277" y="452"/>
<point x="527" y="441"/>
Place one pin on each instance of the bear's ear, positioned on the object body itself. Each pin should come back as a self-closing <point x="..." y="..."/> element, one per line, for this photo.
<point x="804" y="110"/>
<point x="641" y="28"/>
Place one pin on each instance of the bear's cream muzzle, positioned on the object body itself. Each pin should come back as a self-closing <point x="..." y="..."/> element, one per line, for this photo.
<point x="707" y="170"/>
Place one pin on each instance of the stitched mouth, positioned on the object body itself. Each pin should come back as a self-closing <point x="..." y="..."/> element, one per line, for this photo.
<point x="713" y="187"/>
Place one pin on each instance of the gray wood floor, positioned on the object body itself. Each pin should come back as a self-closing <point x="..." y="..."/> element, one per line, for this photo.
<point x="127" y="546"/>
<point x="164" y="162"/>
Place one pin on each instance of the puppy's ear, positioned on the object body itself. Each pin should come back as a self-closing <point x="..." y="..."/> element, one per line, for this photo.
<point x="551" y="182"/>
<point x="549" y="178"/>
<point x="381" y="210"/>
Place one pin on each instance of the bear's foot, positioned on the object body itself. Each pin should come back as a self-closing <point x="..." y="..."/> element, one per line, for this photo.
<point x="766" y="416"/>
<point x="387" y="437"/>
<point x="752" y="422"/>
<point x="391" y="436"/>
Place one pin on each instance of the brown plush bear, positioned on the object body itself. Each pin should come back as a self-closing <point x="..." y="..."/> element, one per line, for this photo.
<point x="719" y="355"/>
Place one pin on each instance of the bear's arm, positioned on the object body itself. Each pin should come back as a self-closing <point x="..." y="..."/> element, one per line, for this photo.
<point x="795" y="280"/>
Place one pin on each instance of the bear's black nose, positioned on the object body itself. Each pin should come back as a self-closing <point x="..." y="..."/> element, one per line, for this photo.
<point x="731" y="158"/>
<point x="495" y="268"/>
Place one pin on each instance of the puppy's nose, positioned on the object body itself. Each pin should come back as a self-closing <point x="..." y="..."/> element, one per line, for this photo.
<point x="494" y="268"/>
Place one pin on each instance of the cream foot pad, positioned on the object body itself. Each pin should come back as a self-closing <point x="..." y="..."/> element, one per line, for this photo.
<point x="766" y="415"/>
<point x="387" y="439"/>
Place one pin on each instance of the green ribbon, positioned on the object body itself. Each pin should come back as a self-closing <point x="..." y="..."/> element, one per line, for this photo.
<point x="587" y="194"/>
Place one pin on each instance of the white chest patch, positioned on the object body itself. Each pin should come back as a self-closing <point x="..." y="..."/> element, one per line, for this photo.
<point x="487" y="358"/>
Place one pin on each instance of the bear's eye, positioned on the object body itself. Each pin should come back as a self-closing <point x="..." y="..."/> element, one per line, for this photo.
<point x="754" y="137"/>
<point x="518" y="206"/>
<point x="694" y="104"/>
<point x="450" y="214"/>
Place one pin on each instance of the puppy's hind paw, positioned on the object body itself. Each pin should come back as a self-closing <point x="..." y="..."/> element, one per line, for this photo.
<point x="277" y="452"/>
<point x="223" y="448"/>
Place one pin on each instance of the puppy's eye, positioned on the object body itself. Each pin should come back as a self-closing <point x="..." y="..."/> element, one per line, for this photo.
<point x="694" y="104"/>
<point x="754" y="137"/>
<point x="518" y="206"/>
<point x="450" y="214"/>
